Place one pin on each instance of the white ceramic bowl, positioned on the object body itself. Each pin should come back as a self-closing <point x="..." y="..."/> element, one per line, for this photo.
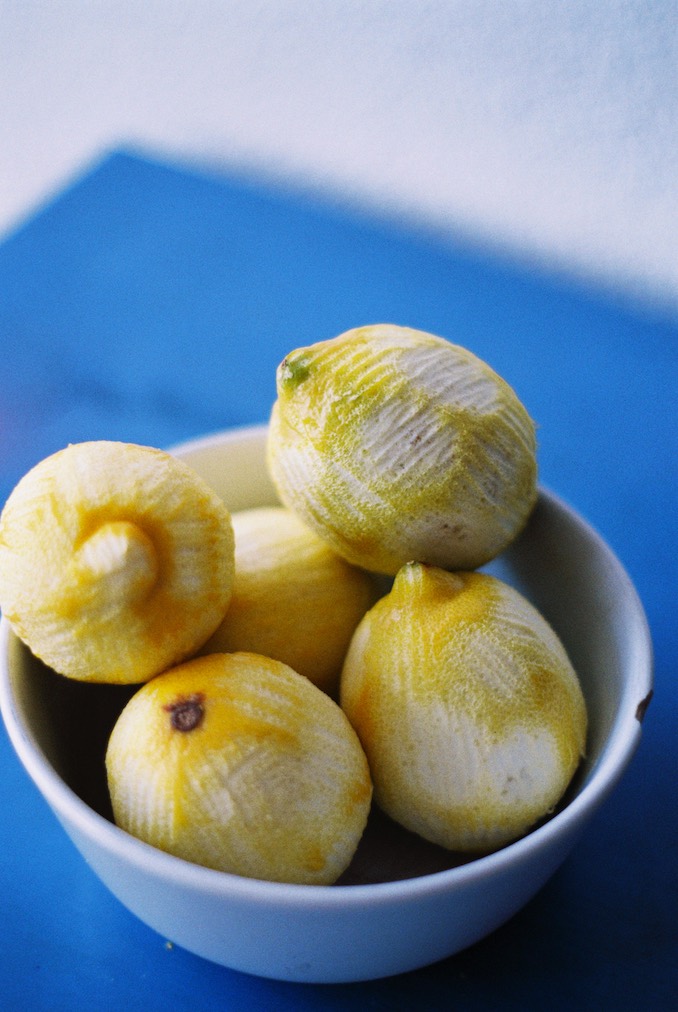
<point x="406" y="904"/>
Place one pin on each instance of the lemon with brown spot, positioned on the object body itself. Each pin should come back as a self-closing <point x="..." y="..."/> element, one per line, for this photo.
<point x="116" y="561"/>
<point x="468" y="708"/>
<point x="396" y="445"/>
<point x="294" y="599"/>
<point x="238" y="763"/>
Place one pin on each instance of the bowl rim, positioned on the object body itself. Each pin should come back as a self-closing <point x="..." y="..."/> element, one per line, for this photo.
<point x="615" y="755"/>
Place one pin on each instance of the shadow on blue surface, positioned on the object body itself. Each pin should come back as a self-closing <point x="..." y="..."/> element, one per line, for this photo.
<point x="153" y="304"/>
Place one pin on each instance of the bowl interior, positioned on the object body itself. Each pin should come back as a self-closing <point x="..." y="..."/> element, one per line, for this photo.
<point x="558" y="562"/>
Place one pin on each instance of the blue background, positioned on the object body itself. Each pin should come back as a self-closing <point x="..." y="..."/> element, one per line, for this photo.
<point x="151" y="303"/>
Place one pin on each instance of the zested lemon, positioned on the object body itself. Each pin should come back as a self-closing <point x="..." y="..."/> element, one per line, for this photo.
<point x="395" y="445"/>
<point x="294" y="599"/>
<point x="116" y="561"/>
<point x="467" y="706"/>
<point x="236" y="762"/>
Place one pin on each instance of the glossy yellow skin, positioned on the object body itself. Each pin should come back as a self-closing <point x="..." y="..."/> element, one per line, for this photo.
<point x="271" y="781"/>
<point x="294" y="599"/>
<point x="395" y="445"/>
<point x="467" y="706"/>
<point x="116" y="561"/>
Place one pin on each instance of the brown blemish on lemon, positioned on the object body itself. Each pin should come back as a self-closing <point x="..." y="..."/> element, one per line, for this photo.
<point x="186" y="713"/>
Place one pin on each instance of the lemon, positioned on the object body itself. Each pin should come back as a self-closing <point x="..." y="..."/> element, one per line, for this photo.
<point x="395" y="445"/>
<point x="116" y="561"/>
<point x="467" y="706"/>
<point x="294" y="599"/>
<point x="236" y="762"/>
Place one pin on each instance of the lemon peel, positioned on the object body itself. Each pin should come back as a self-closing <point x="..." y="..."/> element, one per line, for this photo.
<point x="395" y="445"/>
<point x="116" y="561"/>
<point x="294" y="599"/>
<point x="238" y="763"/>
<point x="467" y="706"/>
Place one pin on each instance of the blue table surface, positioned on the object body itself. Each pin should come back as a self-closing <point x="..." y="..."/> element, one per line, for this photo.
<point x="151" y="303"/>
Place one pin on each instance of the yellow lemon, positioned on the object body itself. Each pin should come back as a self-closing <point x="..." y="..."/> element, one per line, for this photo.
<point x="467" y="706"/>
<point x="395" y="445"/>
<point x="116" y="561"/>
<point x="294" y="599"/>
<point x="236" y="762"/>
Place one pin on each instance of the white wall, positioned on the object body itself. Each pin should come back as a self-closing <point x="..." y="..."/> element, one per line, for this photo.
<point x="546" y="126"/>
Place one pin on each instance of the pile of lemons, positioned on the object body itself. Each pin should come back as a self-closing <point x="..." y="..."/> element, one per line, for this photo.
<point x="286" y="685"/>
